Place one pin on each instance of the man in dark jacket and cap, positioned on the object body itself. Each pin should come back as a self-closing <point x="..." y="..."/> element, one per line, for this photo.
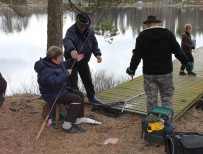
<point x="79" y="43"/>
<point x="155" y="47"/>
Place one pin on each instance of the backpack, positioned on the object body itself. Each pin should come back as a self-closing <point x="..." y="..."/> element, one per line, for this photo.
<point x="156" y="125"/>
<point x="184" y="143"/>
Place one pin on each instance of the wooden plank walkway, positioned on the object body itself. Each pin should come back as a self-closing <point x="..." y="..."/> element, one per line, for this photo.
<point x="188" y="89"/>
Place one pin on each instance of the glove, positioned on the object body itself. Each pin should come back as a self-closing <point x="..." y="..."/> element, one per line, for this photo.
<point x="130" y="72"/>
<point x="189" y="66"/>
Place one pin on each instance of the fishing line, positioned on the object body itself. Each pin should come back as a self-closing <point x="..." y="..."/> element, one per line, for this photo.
<point x="42" y="127"/>
<point x="85" y="42"/>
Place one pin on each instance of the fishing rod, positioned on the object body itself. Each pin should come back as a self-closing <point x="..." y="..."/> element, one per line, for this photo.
<point x="43" y="124"/>
<point x="125" y="101"/>
<point x="84" y="43"/>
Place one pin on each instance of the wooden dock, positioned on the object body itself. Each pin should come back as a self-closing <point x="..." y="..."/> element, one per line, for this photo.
<point x="188" y="89"/>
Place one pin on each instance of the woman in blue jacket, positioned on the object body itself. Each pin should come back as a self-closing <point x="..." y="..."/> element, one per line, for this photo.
<point x="52" y="76"/>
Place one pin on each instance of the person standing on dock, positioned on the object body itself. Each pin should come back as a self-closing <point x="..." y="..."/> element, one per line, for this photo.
<point x="155" y="47"/>
<point x="187" y="45"/>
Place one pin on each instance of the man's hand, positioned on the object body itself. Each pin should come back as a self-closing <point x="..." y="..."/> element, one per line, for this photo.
<point x="99" y="59"/>
<point x="189" y="66"/>
<point x="74" y="54"/>
<point x="130" y="72"/>
<point x="80" y="57"/>
<point x="69" y="71"/>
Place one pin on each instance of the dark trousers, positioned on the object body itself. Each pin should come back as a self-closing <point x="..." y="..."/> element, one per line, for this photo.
<point x="191" y="59"/>
<point x="75" y="101"/>
<point x="84" y="71"/>
<point x="2" y="98"/>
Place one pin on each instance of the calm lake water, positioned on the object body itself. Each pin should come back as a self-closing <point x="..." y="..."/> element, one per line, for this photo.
<point x="24" y="36"/>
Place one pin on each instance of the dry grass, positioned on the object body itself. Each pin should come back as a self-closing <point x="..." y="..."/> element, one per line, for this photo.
<point x="21" y="120"/>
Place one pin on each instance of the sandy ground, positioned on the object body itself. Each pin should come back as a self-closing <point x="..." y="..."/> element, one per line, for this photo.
<point x="21" y="120"/>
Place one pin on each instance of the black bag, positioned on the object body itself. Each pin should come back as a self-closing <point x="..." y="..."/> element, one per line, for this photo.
<point x="184" y="143"/>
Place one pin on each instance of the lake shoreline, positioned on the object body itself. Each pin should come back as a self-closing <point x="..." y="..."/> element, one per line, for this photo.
<point x="150" y="4"/>
<point x="24" y="34"/>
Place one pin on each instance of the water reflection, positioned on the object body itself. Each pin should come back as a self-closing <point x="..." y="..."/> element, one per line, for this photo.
<point x="173" y="18"/>
<point x="16" y="19"/>
<point x="24" y="36"/>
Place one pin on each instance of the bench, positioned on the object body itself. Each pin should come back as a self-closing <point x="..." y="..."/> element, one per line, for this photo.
<point x="47" y="107"/>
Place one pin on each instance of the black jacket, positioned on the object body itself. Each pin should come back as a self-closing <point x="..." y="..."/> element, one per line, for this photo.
<point x="3" y="84"/>
<point x="155" y="47"/>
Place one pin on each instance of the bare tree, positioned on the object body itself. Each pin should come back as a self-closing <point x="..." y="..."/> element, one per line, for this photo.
<point x="55" y="23"/>
<point x="55" y="19"/>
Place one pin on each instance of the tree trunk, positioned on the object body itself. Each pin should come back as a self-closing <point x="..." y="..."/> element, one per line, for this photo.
<point x="55" y="23"/>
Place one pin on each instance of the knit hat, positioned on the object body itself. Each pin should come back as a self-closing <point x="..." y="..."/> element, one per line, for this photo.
<point x="83" y="20"/>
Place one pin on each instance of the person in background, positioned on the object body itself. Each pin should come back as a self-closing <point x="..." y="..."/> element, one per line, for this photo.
<point x="155" y="47"/>
<point x="80" y="42"/>
<point x="187" y="46"/>
<point x="52" y="76"/>
<point x="3" y="85"/>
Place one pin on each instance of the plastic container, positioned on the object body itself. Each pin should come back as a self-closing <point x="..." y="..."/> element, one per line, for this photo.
<point x="111" y="141"/>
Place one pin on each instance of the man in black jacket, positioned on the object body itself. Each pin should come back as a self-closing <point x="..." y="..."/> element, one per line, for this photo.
<point x="155" y="47"/>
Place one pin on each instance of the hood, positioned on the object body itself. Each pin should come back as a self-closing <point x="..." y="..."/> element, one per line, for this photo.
<point x="39" y="65"/>
<point x="154" y="34"/>
<point x="42" y="63"/>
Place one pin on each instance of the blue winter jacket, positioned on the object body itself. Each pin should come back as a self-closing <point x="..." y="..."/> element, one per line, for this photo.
<point x="84" y="43"/>
<point x="52" y="79"/>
